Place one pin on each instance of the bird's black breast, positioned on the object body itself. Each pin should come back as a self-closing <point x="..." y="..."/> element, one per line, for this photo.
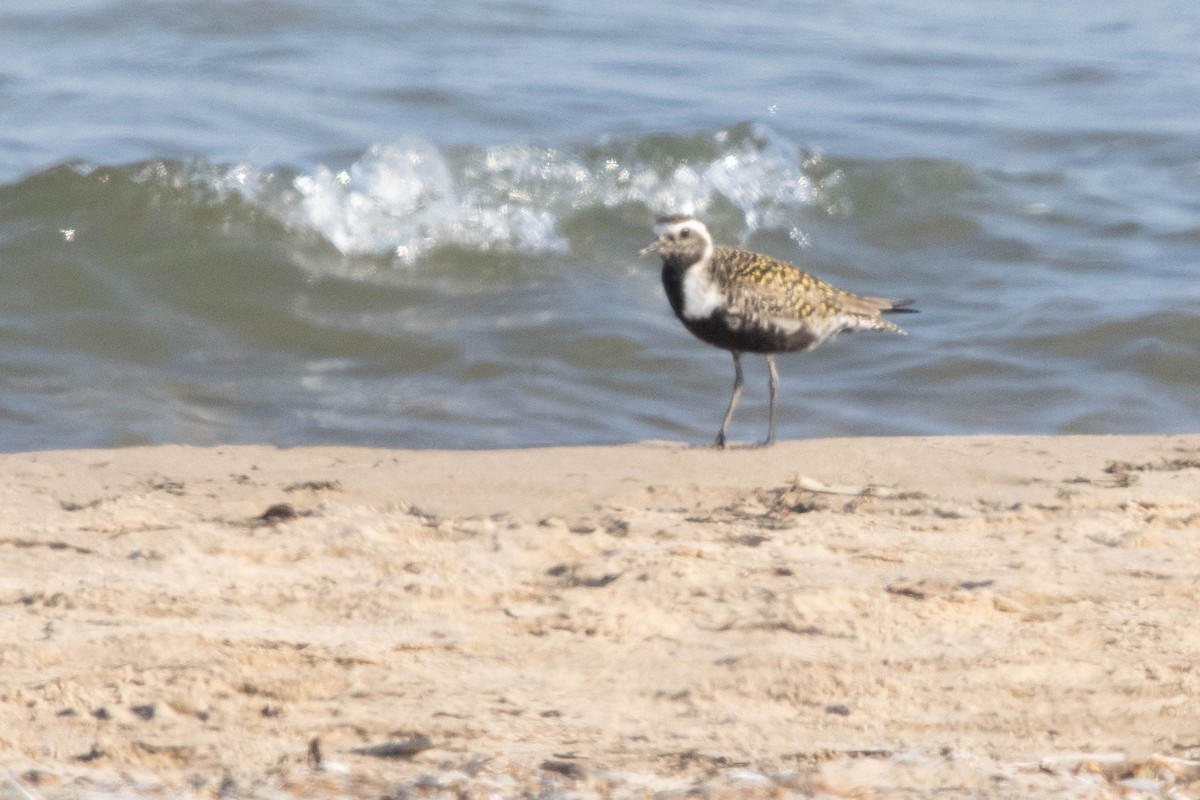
<point x="672" y="280"/>
<point x="743" y="333"/>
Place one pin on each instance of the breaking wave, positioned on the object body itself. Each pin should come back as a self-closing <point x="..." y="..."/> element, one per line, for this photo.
<point x="409" y="197"/>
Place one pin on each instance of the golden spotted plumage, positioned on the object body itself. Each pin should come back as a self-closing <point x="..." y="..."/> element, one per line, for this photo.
<point x="757" y="285"/>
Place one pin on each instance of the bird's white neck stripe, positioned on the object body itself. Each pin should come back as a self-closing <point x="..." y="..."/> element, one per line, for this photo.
<point x="701" y="295"/>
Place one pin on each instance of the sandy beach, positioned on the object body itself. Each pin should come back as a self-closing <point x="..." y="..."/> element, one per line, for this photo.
<point x="975" y="616"/>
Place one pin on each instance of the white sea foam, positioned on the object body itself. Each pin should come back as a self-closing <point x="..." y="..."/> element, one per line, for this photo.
<point x="406" y="198"/>
<point x="410" y="196"/>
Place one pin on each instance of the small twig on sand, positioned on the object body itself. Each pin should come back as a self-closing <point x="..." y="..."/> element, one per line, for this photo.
<point x="814" y="485"/>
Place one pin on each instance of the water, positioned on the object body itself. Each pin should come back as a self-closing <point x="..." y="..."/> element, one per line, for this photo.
<point x="298" y="222"/>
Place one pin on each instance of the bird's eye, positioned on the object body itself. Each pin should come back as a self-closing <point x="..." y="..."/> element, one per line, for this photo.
<point x="685" y="233"/>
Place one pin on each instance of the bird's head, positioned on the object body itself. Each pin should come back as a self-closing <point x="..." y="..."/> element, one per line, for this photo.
<point x="681" y="239"/>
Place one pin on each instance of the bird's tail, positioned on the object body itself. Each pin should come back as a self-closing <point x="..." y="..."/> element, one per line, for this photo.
<point x="897" y="306"/>
<point x="883" y="305"/>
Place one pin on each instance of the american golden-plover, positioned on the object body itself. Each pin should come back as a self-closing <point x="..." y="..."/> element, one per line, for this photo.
<point x="748" y="302"/>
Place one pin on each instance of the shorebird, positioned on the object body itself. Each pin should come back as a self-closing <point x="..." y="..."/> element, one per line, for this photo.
<point x="748" y="302"/>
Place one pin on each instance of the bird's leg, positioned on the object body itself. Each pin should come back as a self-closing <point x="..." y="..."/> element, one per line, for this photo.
<point x="774" y="393"/>
<point x="733" y="401"/>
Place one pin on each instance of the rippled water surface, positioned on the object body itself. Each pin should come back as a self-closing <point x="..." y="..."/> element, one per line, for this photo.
<point x="298" y="222"/>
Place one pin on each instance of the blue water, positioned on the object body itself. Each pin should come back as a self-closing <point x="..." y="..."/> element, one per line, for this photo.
<point x="417" y="225"/>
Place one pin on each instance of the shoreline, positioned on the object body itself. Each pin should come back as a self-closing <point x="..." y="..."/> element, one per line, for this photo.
<point x="1005" y="614"/>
